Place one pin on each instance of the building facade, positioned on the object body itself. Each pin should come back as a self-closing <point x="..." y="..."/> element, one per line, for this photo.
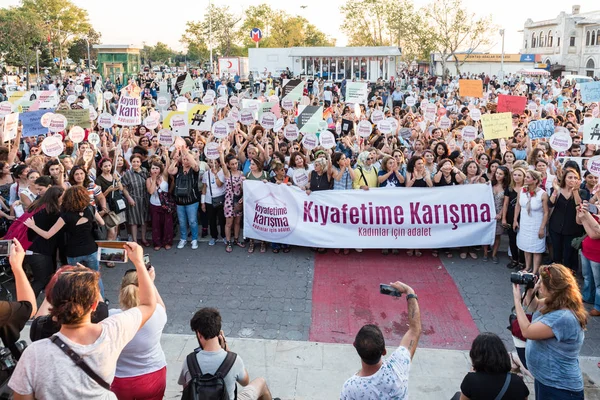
<point x="569" y="42"/>
<point x="118" y="61"/>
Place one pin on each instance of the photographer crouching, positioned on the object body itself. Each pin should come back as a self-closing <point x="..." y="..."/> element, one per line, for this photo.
<point x="555" y="334"/>
<point x="14" y="315"/>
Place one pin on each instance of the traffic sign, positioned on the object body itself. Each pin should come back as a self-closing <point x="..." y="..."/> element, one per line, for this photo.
<point x="256" y="35"/>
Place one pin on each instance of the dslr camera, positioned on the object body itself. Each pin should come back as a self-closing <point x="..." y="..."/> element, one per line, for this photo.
<point x="526" y="279"/>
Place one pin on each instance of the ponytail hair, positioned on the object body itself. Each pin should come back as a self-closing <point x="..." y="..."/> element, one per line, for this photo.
<point x="128" y="294"/>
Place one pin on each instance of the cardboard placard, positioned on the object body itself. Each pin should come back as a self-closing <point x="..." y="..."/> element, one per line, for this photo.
<point x="591" y="131"/>
<point x="470" y="88"/>
<point x="76" y="117"/>
<point x="513" y="104"/>
<point x="496" y="126"/>
<point x="590" y="92"/>
<point x="542" y="128"/>
<point x="129" y="111"/>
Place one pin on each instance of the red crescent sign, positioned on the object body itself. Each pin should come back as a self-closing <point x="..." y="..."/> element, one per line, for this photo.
<point x="230" y="64"/>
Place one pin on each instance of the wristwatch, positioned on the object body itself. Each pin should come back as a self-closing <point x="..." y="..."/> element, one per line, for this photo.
<point x="412" y="296"/>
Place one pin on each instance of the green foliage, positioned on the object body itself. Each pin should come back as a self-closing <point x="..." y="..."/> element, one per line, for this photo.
<point x="79" y="47"/>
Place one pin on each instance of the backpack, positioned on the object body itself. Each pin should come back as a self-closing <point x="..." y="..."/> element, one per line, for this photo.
<point x="18" y="230"/>
<point x="208" y="386"/>
<point x="183" y="184"/>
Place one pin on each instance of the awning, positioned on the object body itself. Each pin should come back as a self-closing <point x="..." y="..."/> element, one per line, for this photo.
<point x="533" y="72"/>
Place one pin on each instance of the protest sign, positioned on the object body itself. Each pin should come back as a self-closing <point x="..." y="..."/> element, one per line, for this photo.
<point x="591" y="131"/>
<point x="309" y="118"/>
<point x="443" y="217"/>
<point x="220" y="129"/>
<point x="310" y="141"/>
<point x="346" y="126"/>
<point x="53" y="146"/>
<point x="475" y="114"/>
<point x="200" y="117"/>
<point x="327" y="140"/>
<point x="542" y="128"/>
<point x="45" y="99"/>
<point x="234" y="101"/>
<point x="410" y="101"/>
<point x="292" y="89"/>
<point x="184" y="84"/>
<point x="177" y="121"/>
<point x="291" y="132"/>
<point x="267" y="120"/>
<point x="300" y="177"/>
<point x="593" y="165"/>
<point x="76" y="117"/>
<point x="430" y="112"/>
<point x="11" y="125"/>
<point x="58" y="123"/>
<point x="287" y="103"/>
<point x="163" y="100"/>
<point x="105" y="120"/>
<point x="246" y="117"/>
<point x="32" y="123"/>
<point x="45" y="120"/>
<point x="129" y="111"/>
<point x="222" y="102"/>
<point x="561" y="141"/>
<point x="252" y="105"/>
<point x="77" y="134"/>
<point x="496" y="126"/>
<point x="469" y="133"/>
<point x="470" y="88"/>
<point x="377" y="116"/>
<point x="590" y="92"/>
<point x="364" y="128"/>
<point x="211" y="151"/>
<point x="513" y="104"/>
<point x="385" y="127"/>
<point x="445" y="123"/>
<point x="278" y="125"/>
<point x="165" y="137"/>
<point x="357" y="92"/>
<point x="5" y="108"/>
<point x="94" y="139"/>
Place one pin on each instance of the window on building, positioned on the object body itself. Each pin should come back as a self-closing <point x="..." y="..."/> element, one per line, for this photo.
<point x="550" y="38"/>
<point x="558" y="42"/>
<point x="587" y="38"/>
<point x="593" y="41"/>
<point x="572" y="41"/>
<point x="542" y="40"/>
<point x="525" y="44"/>
<point x="533" y="40"/>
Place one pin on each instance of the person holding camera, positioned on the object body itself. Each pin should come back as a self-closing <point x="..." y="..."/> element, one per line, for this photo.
<point x="378" y="376"/>
<point x="80" y="360"/>
<point x="590" y="257"/>
<point x="555" y="334"/>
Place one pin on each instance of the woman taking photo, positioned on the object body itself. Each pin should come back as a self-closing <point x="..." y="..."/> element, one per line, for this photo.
<point x="134" y="189"/>
<point x="142" y="367"/>
<point x="563" y="222"/>
<point x="555" y="334"/>
<point x="511" y="195"/>
<point x="162" y="219"/>
<point x="491" y="377"/>
<point x="76" y="216"/>
<point x="233" y="206"/>
<point x="45" y="372"/>
<point x="531" y="215"/>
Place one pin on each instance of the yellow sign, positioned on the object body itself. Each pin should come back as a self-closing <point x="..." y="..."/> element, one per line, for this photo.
<point x="486" y="57"/>
<point x="470" y="88"/>
<point x="497" y="126"/>
<point x="18" y="97"/>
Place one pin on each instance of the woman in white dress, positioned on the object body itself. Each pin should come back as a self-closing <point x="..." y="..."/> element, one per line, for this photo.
<point x="532" y="206"/>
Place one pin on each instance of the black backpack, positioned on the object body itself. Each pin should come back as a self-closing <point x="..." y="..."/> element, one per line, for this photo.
<point x="208" y="386"/>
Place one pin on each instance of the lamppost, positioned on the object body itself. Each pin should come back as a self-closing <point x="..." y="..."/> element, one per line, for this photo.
<point x="87" y="40"/>
<point x="37" y="68"/>
<point x="502" y="58"/>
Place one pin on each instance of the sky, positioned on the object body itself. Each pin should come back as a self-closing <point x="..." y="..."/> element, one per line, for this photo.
<point x="135" y="21"/>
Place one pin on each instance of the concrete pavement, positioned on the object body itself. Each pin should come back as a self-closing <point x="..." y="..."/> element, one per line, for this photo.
<point x="316" y="371"/>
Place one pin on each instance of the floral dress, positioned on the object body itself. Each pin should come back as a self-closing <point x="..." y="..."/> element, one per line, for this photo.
<point x="233" y="190"/>
<point x="135" y="183"/>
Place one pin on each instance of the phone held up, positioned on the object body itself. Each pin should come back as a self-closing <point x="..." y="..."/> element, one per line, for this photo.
<point x="389" y="290"/>
<point x="147" y="262"/>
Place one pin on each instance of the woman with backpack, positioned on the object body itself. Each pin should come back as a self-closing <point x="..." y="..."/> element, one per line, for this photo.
<point x="42" y="260"/>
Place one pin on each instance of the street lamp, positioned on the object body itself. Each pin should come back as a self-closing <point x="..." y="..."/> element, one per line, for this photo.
<point x="502" y="59"/>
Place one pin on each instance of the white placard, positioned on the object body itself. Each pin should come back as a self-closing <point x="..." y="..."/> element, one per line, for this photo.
<point x="475" y="114"/>
<point x="45" y="120"/>
<point x="287" y="104"/>
<point x="377" y="116"/>
<point x="300" y="177"/>
<point x="364" y="128"/>
<point x="220" y="129"/>
<point x="593" y="166"/>
<point x="394" y="123"/>
<point x="222" y="102"/>
<point x="94" y="138"/>
<point x="166" y="137"/>
<point x="162" y="101"/>
<point x="58" y="123"/>
<point x="208" y="99"/>
<point x="310" y="141"/>
<point x="445" y="123"/>
<point x="53" y="146"/>
<point x="71" y="99"/>
<point x="93" y="113"/>
<point x="410" y="101"/>
<point x="278" y="125"/>
<point x="246" y="117"/>
<point x="238" y="86"/>
<point x="561" y="141"/>
<point x="469" y="133"/>
<point x="5" y="108"/>
<point x="267" y="120"/>
<point x="430" y="112"/>
<point x="77" y="134"/>
<point x="385" y="127"/>
<point x="234" y="101"/>
<point x="107" y="95"/>
<point x="105" y="120"/>
<point x="151" y="123"/>
<point x="211" y="151"/>
<point x="78" y="88"/>
<point x="327" y="139"/>
<point x="291" y="132"/>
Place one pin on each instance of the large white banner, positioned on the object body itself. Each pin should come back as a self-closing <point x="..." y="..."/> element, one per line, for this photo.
<point x="357" y="92"/>
<point x="411" y="218"/>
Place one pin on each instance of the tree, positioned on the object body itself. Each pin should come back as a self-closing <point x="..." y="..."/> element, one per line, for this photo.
<point x="456" y="30"/>
<point x="409" y="31"/>
<point x="22" y="35"/>
<point x="63" y="21"/>
<point x="365" y="22"/>
<point x="78" y="50"/>
<point x="161" y="53"/>
<point x="260" y="16"/>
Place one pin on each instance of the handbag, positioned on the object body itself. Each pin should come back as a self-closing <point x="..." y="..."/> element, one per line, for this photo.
<point x="80" y="362"/>
<point x="98" y="231"/>
<point x="577" y="243"/>
<point x="215" y="201"/>
<point x="116" y="202"/>
<point x="513" y="324"/>
<point x="167" y="202"/>
<point x="111" y="219"/>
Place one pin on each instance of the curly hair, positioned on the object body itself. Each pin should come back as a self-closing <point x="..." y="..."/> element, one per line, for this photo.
<point x="563" y="292"/>
<point x="86" y="180"/>
<point x="75" y="199"/>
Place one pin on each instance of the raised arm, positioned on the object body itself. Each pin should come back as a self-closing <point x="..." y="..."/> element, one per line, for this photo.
<point x="147" y="291"/>
<point x="22" y="286"/>
<point x="410" y="340"/>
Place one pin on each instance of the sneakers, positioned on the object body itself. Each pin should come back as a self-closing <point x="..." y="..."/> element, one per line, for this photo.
<point x="212" y="242"/>
<point x="181" y="244"/>
<point x="224" y="241"/>
<point x="194" y="244"/>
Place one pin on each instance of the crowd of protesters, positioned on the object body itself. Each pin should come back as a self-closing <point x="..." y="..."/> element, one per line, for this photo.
<point x="544" y="199"/>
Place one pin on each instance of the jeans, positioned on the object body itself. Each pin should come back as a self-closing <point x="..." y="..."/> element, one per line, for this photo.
<point x="90" y="261"/>
<point x="188" y="215"/>
<point x="591" y="281"/>
<point x="543" y="392"/>
<point x="562" y="251"/>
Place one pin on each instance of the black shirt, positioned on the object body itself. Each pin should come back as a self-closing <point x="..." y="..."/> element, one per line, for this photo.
<point x="13" y="317"/>
<point x="512" y="204"/>
<point x="444" y="182"/>
<point x="39" y="245"/>
<point x="563" y="216"/>
<point x="484" y="386"/>
<point x="80" y="239"/>
<point x="43" y="326"/>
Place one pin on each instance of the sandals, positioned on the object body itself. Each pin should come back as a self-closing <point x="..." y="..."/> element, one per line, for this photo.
<point x="251" y="247"/>
<point x="229" y="247"/>
<point x="287" y="249"/>
<point x="168" y="247"/>
<point x="275" y="251"/>
<point x="346" y="252"/>
<point x="156" y="248"/>
<point x="434" y="253"/>
<point x="410" y="253"/>
<point x="239" y="244"/>
<point x="473" y="255"/>
<point x="463" y="256"/>
<point x="263" y="247"/>
<point x="418" y="253"/>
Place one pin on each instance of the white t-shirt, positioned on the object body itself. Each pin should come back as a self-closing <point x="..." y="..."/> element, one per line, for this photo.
<point x="143" y="355"/>
<point x="390" y="382"/>
<point x="216" y="190"/>
<point x="44" y="369"/>
<point x="154" y="198"/>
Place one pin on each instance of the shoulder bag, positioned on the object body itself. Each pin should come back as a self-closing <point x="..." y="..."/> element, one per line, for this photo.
<point x="80" y="362"/>
<point x="167" y="202"/>
<point x="98" y="231"/>
<point x="216" y="201"/>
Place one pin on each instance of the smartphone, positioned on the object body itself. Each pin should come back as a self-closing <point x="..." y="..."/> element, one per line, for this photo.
<point x="107" y="254"/>
<point x="5" y="247"/>
<point x="389" y="290"/>
<point x="593" y="209"/>
<point x="147" y="261"/>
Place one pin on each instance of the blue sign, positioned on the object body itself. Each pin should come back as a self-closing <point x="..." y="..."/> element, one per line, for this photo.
<point x="543" y="128"/>
<point x="32" y="122"/>
<point x="527" y="58"/>
<point x="256" y="35"/>
<point x="55" y="59"/>
<point x="590" y="91"/>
